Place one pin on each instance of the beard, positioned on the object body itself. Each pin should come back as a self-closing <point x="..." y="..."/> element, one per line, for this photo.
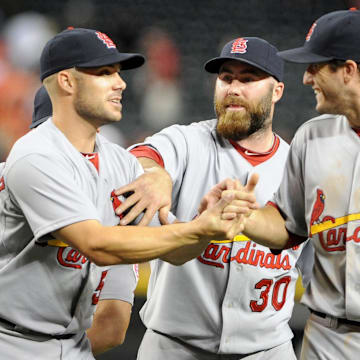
<point x="85" y="106"/>
<point x="238" y="125"/>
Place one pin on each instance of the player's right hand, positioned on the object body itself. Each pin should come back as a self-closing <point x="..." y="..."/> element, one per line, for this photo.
<point x="245" y="200"/>
<point x="214" y="227"/>
<point x="149" y="193"/>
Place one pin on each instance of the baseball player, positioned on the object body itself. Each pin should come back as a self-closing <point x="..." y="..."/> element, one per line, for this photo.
<point x="113" y="310"/>
<point x="319" y="194"/>
<point x="235" y="299"/>
<point x="59" y="229"/>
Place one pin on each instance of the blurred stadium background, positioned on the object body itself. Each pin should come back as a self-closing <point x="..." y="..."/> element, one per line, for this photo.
<point x="177" y="38"/>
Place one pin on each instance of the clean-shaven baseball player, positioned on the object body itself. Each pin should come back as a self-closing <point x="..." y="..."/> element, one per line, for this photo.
<point x="319" y="194"/>
<point x="59" y="229"/>
<point x="113" y="310"/>
<point x="235" y="299"/>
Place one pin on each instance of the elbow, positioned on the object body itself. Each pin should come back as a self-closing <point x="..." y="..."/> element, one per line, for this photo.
<point x="97" y="254"/>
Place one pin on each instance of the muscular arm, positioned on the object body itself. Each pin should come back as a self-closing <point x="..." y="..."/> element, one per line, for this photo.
<point x="133" y="244"/>
<point x="266" y="226"/>
<point x="110" y="323"/>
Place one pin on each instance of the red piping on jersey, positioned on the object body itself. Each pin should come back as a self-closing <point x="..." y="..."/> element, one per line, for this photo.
<point x="148" y="152"/>
<point x="93" y="158"/>
<point x="253" y="157"/>
<point x="357" y="130"/>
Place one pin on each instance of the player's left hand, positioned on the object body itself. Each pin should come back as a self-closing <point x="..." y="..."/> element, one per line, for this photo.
<point x="244" y="198"/>
<point x="149" y="193"/>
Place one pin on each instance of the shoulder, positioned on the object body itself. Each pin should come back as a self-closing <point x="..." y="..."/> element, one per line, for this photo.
<point x="320" y="126"/>
<point x="193" y="129"/>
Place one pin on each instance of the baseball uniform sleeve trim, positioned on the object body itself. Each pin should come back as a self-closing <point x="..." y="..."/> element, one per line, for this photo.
<point x="148" y="152"/>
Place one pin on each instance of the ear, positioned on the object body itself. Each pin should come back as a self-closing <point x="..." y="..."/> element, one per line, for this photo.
<point x="278" y="91"/>
<point x="350" y="69"/>
<point x="66" y="81"/>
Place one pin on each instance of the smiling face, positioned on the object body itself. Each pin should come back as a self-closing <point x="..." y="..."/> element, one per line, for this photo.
<point x="327" y="86"/>
<point x="98" y="94"/>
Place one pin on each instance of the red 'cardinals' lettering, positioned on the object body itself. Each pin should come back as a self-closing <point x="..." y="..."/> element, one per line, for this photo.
<point x="69" y="257"/>
<point x="218" y="255"/>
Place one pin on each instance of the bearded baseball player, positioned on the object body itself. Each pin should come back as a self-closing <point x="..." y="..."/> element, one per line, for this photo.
<point x="59" y="229"/>
<point x="319" y="194"/>
<point x="235" y="299"/>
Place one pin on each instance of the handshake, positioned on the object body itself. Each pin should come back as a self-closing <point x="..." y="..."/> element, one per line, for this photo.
<point x="225" y="208"/>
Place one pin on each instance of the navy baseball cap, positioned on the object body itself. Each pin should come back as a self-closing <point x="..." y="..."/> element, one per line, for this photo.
<point x="251" y="50"/>
<point x="83" y="48"/>
<point x="42" y="108"/>
<point x="334" y="36"/>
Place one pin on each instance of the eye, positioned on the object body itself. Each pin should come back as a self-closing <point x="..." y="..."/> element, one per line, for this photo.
<point x="105" y="72"/>
<point x="226" y="78"/>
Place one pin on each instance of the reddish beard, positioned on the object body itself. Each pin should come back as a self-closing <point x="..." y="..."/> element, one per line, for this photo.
<point x="238" y="125"/>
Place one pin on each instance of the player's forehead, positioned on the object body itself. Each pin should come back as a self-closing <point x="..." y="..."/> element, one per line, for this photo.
<point x="111" y="67"/>
<point x="238" y="67"/>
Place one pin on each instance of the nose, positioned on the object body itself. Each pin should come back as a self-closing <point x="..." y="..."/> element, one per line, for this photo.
<point x="308" y="77"/>
<point x="235" y="88"/>
<point x="120" y="83"/>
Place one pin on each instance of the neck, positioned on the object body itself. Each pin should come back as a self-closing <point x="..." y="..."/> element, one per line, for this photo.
<point x="261" y="141"/>
<point x="81" y="133"/>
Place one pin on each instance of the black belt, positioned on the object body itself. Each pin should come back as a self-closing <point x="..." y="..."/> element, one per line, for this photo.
<point x="339" y="320"/>
<point x="11" y="326"/>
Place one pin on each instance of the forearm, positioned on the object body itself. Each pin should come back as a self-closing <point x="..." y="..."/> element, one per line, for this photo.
<point x="266" y="226"/>
<point x="184" y="254"/>
<point x="130" y="244"/>
<point x="110" y="323"/>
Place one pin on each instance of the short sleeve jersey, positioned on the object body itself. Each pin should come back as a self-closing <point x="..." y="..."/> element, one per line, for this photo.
<point x="236" y="297"/>
<point x="47" y="286"/>
<point x="319" y="197"/>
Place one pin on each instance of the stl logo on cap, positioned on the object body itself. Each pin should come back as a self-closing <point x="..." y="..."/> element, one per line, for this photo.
<point x="239" y="46"/>
<point x="106" y="40"/>
<point x="311" y="30"/>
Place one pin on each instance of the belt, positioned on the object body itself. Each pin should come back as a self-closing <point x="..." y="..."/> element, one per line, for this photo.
<point x="30" y="333"/>
<point x="339" y="320"/>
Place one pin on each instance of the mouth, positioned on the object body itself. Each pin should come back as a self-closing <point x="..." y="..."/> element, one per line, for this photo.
<point x="116" y="101"/>
<point x="234" y="107"/>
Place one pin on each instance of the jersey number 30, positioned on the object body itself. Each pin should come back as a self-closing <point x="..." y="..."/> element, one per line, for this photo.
<point x="260" y="305"/>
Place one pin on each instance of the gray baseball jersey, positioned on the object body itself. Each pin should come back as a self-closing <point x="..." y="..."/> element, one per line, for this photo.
<point x="48" y="287"/>
<point x="321" y="174"/>
<point x="236" y="297"/>
<point x="323" y="179"/>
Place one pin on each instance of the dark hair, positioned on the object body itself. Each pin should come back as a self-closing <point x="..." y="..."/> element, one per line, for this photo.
<point x="335" y="64"/>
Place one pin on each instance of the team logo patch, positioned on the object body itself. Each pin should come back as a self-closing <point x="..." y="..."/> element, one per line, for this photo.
<point x="311" y="30"/>
<point x="106" y="40"/>
<point x="239" y="46"/>
<point x="318" y="207"/>
<point x="2" y="184"/>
